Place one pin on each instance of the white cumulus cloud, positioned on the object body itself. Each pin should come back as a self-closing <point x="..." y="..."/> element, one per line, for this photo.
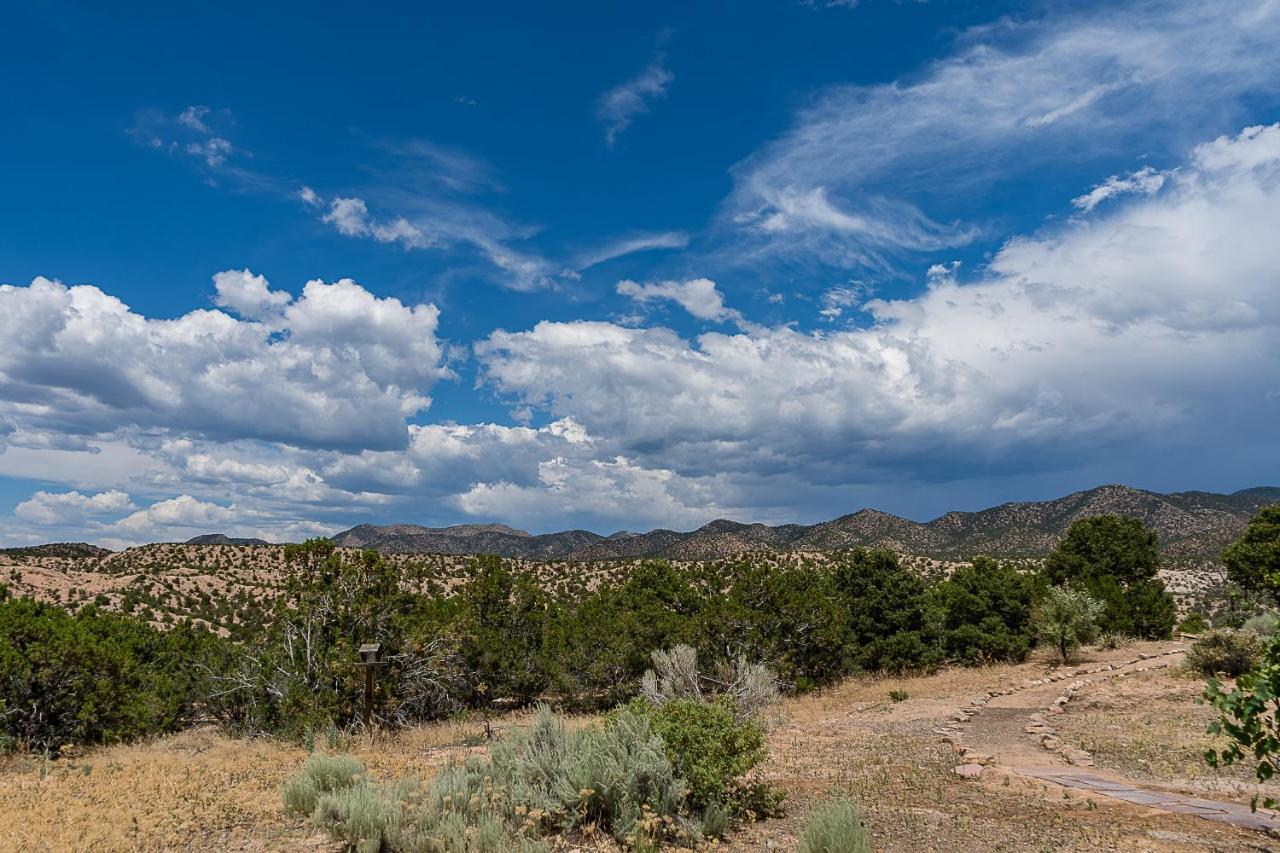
<point x="338" y="366"/>
<point x="53" y="508"/>
<point x="1160" y="319"/>
<point x="698" y="296"/>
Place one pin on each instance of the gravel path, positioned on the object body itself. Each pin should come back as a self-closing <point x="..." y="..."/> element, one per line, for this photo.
<point x="1013" y="730"/>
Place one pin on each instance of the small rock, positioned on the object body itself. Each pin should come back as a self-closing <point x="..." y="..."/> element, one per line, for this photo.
<point x="968" y="771"/>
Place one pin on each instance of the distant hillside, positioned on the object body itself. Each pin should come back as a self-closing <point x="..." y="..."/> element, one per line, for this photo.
<point x="72" y="550"/>
<point x="223" y="539"/>
<point x="1192" y="526"/>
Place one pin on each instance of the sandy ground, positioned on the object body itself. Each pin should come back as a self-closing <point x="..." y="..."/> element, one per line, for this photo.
<point x="202" y="791"/>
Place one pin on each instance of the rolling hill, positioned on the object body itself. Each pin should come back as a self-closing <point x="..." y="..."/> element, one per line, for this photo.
<point x="1192" y="526"/>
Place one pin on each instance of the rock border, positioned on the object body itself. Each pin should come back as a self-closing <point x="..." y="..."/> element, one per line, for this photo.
<point x="973" y="763"/>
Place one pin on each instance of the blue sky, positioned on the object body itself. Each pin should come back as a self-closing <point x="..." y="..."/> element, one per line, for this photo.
<point x="282" y="271"/>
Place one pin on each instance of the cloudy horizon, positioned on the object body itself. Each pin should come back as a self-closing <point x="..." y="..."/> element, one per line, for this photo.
<point x="661" y="281"/>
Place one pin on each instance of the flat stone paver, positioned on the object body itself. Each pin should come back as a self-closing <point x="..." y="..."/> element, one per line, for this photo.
<point x="1232" y="813"/>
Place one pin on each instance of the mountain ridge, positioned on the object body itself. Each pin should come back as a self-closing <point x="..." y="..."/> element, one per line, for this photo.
<point x="224" y="539"/>
<point x="1191" y="525"/>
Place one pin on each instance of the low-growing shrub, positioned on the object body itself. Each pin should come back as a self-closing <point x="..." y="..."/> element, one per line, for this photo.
<point x="898" y="695"/>
<point x="1194" y="623"/>
<point x="835" y="827"/>
<point x="615" y="776"/>
<point x="749" y="688"/>
<point x="320" y="775"/>
<point x="1263" y="624"/>
<point x="708" y="746"/>
<point x="715" y="820"/>
<point x="1112" y="640"/>
<point x="1224" y="652"/>
<point x="364" y="816"/>
<point x="550" y="779"/>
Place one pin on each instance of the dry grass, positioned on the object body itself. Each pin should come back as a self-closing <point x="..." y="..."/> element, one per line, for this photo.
<point x="202" y="791"/>
<point x="1154" y="730"/>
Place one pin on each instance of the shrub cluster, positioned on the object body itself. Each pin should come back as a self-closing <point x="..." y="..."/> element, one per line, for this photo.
<point x="1225" y="652"/>
<point x="503" y="639"/>
<point x="709" y="747"/>
<point x="93" y="677"/>
<point x="550" y="780"/>
<point x="1115" y="559"/>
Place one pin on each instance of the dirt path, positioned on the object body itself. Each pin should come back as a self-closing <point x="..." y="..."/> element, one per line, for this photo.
<point x="1012" y="731"/>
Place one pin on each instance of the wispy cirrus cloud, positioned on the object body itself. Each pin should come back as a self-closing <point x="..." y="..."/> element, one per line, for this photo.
<point x="630" y="245"/>
<point x="1145" y="181"/>
<point x="196" y="131"/>
<point x="621" y="104"/>
<point x="867" y="174"/>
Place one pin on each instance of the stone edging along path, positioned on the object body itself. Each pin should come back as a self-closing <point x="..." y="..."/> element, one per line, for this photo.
<point x="1040" y="729"/>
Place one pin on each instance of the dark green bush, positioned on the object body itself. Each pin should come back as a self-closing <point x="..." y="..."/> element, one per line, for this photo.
<point x="93" y="677"/>
<point x="1115" y="559"/>
<point x="1194" y="623"/>
<point x="890" y="623"/>
<point x="985" y="610"/>
<point x="1253" y="560"/>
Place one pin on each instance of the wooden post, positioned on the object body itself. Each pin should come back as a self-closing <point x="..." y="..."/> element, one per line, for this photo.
<point x="369" y="658"/>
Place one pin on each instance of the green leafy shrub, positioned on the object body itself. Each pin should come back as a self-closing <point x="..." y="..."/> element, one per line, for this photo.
<point x="834" y="827"/>
<point x="1225" y="652"/>
<point x="707" y="745"/>
<point x="1249" y="717"/>
<point x="1066" y="619"/>
<point x="1194" y="623"/>
<point x="1253" y="560"/>
<point x="897" y="695"/>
